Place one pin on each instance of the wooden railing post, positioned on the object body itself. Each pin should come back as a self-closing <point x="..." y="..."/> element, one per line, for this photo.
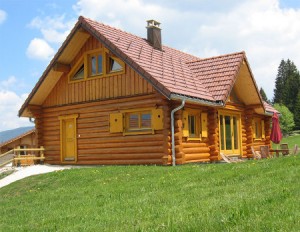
<point x="42" y="155"/>
<point x="18" y="156"/>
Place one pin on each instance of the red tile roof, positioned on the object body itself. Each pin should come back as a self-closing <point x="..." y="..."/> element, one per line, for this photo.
<point x="217" y="74"/>
<point x="269" y="108"/>
<point x="170" y="71"/>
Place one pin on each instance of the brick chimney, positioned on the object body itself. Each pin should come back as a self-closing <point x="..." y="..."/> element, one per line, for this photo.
<point x="154" y="34"/>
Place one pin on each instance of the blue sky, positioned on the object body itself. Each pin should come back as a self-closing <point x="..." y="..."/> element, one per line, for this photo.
<point x="32" y="31"/>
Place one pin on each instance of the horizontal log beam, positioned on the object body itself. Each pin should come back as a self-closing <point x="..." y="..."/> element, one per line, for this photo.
<point x="127" y="156"/>
<point x="192" y="150"/>
<point x="60" y="67"/>
<point x="197" y="156"/>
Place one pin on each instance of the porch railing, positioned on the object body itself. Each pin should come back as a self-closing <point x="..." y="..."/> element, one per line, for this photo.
<point x="9" y="160"/>
<point x="18" y="157"/>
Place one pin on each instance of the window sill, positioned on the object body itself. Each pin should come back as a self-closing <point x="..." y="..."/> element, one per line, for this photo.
<point x="97" y="76"/>
<point x="193" y="139"/>
<point x="138" y="132"/>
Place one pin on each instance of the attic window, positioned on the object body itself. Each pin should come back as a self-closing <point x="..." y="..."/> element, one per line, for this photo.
<point x="79" y="73"/>
<point x="96" y="63"/>
<point x="114" y="65"/>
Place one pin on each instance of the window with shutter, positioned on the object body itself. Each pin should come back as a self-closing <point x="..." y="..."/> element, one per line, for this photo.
<point x="194" y="124"/>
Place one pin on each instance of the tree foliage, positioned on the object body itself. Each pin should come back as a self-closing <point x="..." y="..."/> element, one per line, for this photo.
<point x="263" y="95"/>
<point x="279" y="83"/>
<point x="287" y="87"/>
<point x="297" y="112"/>
<point x="287" y="118"/>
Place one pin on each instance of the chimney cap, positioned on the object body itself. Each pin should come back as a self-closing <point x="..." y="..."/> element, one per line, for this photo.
<point x="153" y="23"/>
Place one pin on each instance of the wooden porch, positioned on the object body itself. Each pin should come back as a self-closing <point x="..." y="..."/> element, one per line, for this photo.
<point x="22" y="156"/>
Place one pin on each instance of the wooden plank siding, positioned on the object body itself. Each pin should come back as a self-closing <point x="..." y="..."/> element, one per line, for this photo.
<point x="96" y="145"/>
<point x="120" y="85"/>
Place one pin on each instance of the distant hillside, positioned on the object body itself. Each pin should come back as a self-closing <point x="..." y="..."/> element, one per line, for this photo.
<point x="9" y="134"/>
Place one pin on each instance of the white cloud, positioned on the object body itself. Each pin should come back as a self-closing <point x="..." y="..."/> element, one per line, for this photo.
<point x="128" y="14"/>
<point x="10" y="82"/>
<point x="3" y="16"/>
<point x="53" y="36"/>
<point x="54" y="29"/>
<point x="10" y="103"/>
<point x="39" y="49"/>
<point x="265" y="31"/>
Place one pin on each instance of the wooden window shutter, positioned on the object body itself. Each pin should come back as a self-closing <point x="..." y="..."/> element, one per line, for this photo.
<point x="185" y="124"/>
<point x="116" y="122"/>
<point x="157" y="119"/>
<point x="263" y="134"/>
<point x="204" y="124"/>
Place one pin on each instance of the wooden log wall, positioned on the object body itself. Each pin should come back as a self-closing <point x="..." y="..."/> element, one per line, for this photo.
<point x="119" y="85"/>
<point x="244" y="134"/>
<point x="36" y="111"/>
<point x="249" y="131"/>
<point x="266" y="140"/>
<point x="268" y="130"/>
<point x="249" y="115"/>
<point x="96" y="145"/>
<point x="179" y="154"/>
<point x="167" y="158"/>
<point x="194" y="150"/>
<point x="213" y="134"/>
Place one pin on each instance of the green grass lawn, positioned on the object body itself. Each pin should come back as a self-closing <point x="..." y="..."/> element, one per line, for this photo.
<point x="291" y="140"/>
<point x="5" y="174"/>
<point x="251" y="196"/>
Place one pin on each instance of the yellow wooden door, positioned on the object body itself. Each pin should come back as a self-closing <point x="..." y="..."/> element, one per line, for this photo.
<point x="229" y="126"/>
<point x="68" y="140"/>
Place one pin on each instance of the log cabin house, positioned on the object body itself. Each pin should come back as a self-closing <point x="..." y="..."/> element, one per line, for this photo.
<point x="24" y="140"/>
<point x="110" y="97"/>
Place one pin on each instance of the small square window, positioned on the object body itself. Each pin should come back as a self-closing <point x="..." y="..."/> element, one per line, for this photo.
<point x="138" y="121"/>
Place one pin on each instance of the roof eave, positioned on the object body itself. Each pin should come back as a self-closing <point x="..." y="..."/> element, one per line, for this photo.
<point x="48" y="69"/>
<point x="175" y="96"/>
<point x="256" y="87"/>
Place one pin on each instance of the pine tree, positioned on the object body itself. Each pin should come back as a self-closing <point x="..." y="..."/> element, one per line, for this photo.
<point x="297" y="113"/>
<point x="287" y="84"/>
<point x="263" y="94"/>
<point x="279" y="83"/>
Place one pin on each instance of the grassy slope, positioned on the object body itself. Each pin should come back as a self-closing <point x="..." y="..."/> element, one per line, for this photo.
<point x="291" y="140"/>
<point x="251" y="196"/>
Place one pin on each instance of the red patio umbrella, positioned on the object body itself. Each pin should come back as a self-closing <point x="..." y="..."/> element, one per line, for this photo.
<point x="276" y="135"/>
